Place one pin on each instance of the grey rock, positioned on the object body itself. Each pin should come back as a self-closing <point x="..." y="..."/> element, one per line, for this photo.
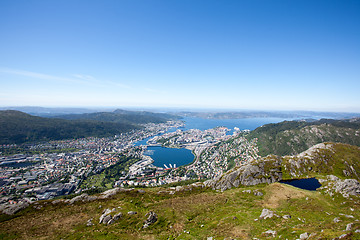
<point x="107" y="219"/>
<point x="286" y="217"/>
<point x="57" y="201"/>
<point x="132" y="213"/>
<point x="111" y="221"/>
<point x="106" y="211"/>
<point x="349" y="227"/>
<point x="270" y="233"/>
<point x="250" y="174"/>
<point x="117" y="216"/>
<point x="304" y="236"/>
<point x="109" y="193"/>
<point x="343" y="236"/>
<point x="11" y="209"/>
<point x="336" y="220"/>
<point x="89" y="223"/>
<point x="151" y="219"/>
<point x="83" y="198"/>
<point x="347" y="187"/>
<point x="266" y="213"/>
<point x="104" y="217"/>
<point x="258" y="193"/>
<point x="141" y="191"/>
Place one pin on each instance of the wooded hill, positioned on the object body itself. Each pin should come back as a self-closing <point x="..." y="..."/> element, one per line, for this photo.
<point x="18" y="127"/>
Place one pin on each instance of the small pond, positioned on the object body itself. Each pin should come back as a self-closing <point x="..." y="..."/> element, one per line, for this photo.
<point x="308" y="184"/>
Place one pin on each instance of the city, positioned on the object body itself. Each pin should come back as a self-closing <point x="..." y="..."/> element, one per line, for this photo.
<point x="76" y="165"/>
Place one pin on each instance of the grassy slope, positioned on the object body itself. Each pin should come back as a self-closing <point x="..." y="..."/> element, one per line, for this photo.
<point x="343" y="158"/>
<point x="202" y="213"/>
<point x="292" y="137"/>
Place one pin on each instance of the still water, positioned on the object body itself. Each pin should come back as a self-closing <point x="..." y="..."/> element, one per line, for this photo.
<point x="167" y="156"/>
<point x="308" y="184"/>
<point x="183" y="156"/>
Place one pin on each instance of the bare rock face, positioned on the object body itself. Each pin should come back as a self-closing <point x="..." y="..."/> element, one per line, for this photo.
<point x="83" y="198"/>
<point x="11" y="209"/>
<point x="347" y="187"/>
<point x="152" y="218"/>
<point x="266" y="170"/>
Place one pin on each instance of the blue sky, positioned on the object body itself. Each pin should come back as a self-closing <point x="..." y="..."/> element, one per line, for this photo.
<point x="268" y="55"/>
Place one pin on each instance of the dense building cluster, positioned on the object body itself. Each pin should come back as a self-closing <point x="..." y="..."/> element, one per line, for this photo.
<point x="47" y="175"/>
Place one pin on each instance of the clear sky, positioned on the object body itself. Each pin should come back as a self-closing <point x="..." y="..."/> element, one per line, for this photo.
<point x="242" y="54"/>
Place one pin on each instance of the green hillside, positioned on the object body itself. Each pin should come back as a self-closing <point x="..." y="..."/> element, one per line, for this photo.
<point x="122" y="116"/>
<point x="18" y="127"/>
<point x="292" y="137"/>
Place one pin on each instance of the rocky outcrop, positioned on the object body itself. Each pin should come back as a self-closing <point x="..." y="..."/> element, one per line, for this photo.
<point x="347" y="187"/>
<point x="11" y="209"/>
<point x="83" y="198"/>
<point x="87" y="198"/>
<point x="266" y="213"/>
<point x="107" y="218"/>
<point x="265" y="170"/>
<point x="151" y="219"/>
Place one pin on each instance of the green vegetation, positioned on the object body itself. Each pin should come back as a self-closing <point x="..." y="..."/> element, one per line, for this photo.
<point x="195" y="214"/>
<point x="122" y="116"/>
<point x="17" y="127"/>
<point x="292" y="137"/>
<point x="341" y="160"/>
<point x="106" y="179"/>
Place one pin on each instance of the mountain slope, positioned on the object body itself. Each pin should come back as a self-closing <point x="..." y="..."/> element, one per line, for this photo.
<point x="292" y="137"/>
<point x="189" y="212"/>
<point x="338" y="159"/>
<point x="18" y="127"/>
<point x="122" y="116"/>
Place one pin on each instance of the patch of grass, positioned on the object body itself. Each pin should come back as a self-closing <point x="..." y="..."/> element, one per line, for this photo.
<point x="195" y="214"/>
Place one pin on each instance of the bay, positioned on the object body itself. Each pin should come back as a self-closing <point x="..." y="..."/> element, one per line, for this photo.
<point x="167" y="156"/>
<point x="180" y="157"/>
<point x="242" y="124"/>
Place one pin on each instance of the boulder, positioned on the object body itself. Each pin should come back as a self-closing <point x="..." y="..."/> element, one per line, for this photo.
<point x="304" y="236"/>
<point x="106" y="219"/>
<point x="258" y="193"/>
<point x="117" y="216"/>
<point x="349" y="227"/>
<point x="132" y="213"/>
<point x="270" y="233"/>
<point x="89" y="223"/>
<point x="151" y="218"/>
<point x="266" y="213"/>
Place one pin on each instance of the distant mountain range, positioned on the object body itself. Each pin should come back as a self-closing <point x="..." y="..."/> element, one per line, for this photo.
<point x="18" y="127"/>
<point x="267" y="114"/>
<point x="293" y="137"/>
<point x="122" y="116"/>
<point x="211" y="114"/>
